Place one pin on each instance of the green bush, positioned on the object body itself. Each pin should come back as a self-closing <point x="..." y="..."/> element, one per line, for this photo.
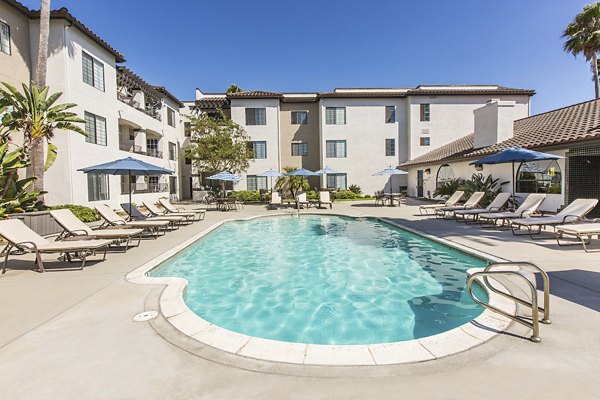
<point x="312" y="195"/>
<point x="247" y="196"/>
<point x="85" y="214"/>
<point x="345" y="195"/>
<point x="355" y="189"/>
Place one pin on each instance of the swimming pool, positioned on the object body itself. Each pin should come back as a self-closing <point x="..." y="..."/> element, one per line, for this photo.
<point x="323" y="279"/>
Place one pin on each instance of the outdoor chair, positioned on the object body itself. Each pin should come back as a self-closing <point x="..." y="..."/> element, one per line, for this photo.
<point x="380" y="198"/>
<point x="111" y="218"/>
<point x="529" y="206"/>
<point x="301" y="200"/>
<point x="74" y="227"/>
<point x="275" y="200"/>
<point x="472" y="215"/>
<point x="574" y="212"/>
<point x="324" y="199"/>
<point x="21" y="240"/>
<point x="155" y="212"/>
<point x="452" y="201"/>
<point x="134" y="213"/>
<point x="170" y="209"/>
<point x="472" y="202"/>
<point x="582" y="232"/>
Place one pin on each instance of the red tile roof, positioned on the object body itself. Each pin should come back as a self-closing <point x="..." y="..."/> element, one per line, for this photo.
<point x="575" y="123"/>
<point x="254" y="94"/>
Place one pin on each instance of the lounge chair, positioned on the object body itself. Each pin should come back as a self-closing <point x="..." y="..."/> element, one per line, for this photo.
<point x="471" y="203"/>
<point x="275" y="200"/>
<point x="135" y="214"/>
<point x="473" y="214"/>
<point x="170" y="209"/>
<point x="111" y="218"/>
<point x="574" y="212"/>
<point x="21" y="239"/>
<point x="325" y="198"/>
<point x="74" y="227"/>
<point x="452" y="201"/>
<point x="157" y="213"/>
<point x="529" y="206"/>
<point x="583" y="232"/>
<point x="301" y="200"/>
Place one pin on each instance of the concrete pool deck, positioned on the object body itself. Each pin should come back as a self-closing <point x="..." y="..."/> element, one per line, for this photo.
<point x="70" y="334"/>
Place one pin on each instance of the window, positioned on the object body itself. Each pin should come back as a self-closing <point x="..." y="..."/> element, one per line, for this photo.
<point x="256" y="116"/>
<point x="152" y="148"/>
<point x="425" y="114"/>
<point x="172" y="185"/>
<point x="390" y="114"/>
<point x="188" y="161"/>
<point x="187" y="129"/>
<point x="539" y="177"/>
<point x="4" y="38"/>
<point x="256" y="182"/>
<point x="95" y="129"/>
<point x="259" y="149"/>
<point x="153" y="184"/>
<point x="170" y="117"/>
<point x="390" y="147"/>
<point x="445" y="173"/>
<point x="97" y="187"/>
<point x="425" y="141"/>
<point x="299" y="117"/>
<point x="335" y="115"/>
<point x="300" y="149"/>
<point x="335" y="148"/>
<point x="172" y="151"/>
<point x="336" y="181"/>
<point x="93" y="71"/>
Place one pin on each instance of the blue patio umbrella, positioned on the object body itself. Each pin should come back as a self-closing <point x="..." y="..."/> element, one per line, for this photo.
<point x="225" y="176"/>
<point x="326" y="170"/>
<point x="301" y="172"/>
<point x="127" y="166"/>
<point x="512" y="155"/>
<point x="390" y="171"/>
<point x="270" y="174"/>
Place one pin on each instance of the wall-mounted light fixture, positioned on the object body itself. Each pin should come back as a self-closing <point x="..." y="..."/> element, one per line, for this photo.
<point x="478" y="167"/>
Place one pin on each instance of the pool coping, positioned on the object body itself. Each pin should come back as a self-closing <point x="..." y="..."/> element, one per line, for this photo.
<point x="474" y="333"/>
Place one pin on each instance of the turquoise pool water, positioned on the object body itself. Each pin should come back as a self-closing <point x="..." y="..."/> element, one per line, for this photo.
<point x="325" y="280"/>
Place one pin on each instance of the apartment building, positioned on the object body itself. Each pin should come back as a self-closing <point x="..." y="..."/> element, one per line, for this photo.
<point x="124" y="116"/>
<point x="355" y="131"/>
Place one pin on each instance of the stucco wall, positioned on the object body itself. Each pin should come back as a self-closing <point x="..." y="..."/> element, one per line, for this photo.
<point x="16" y="67"/>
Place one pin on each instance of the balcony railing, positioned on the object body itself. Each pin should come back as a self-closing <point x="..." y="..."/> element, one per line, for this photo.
<point x="132" y="148"/>
<point x="144" y="188"/>
<point x="147" y="109"/>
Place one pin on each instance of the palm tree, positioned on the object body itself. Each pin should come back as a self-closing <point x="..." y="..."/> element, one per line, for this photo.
<point x="291" y="184"/>
<point x="35" y="114"/>
<point x="36" y="149"/>
<point x="233" y="88"/>
<point x="583" y="37"/>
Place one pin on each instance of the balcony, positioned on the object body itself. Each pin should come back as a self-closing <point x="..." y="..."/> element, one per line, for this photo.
<point x="141" y="188"/>
<point x="132" y="148"/>
<point x="153" y="110"/>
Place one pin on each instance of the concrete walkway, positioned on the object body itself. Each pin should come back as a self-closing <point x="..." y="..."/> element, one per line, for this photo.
<point x="70" y="335"/>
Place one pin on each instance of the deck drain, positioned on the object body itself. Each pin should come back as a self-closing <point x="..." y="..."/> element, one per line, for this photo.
<point x="145" y="316"/>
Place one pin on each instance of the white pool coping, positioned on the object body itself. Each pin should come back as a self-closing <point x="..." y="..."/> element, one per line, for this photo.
<point x="483" y="328"/>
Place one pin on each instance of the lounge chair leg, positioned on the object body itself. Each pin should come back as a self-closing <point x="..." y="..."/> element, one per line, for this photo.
<point x="7" y="252"/>
<point x="40" y="263"/>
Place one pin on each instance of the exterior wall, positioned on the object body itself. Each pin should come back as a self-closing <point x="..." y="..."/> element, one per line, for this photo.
<point x="308" y="133"/>
<point x="16" y="67"/>
<point x="268" y="133"/>
<point x="463" y="170"/>
<point x="365" y="132"/>
<point x="451" y="118"/>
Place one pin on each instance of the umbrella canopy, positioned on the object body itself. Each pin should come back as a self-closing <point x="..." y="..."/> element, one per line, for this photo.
<point x="326" y="171"/>
<point x="126" y="166"/>
<point x="225" y="176"/>
<point x="301" y="172"/>
<point x="271" y="173"/>
<point x="512" y="155"/>
<point x="390" y="171"/>
<point x="516" y="154"/>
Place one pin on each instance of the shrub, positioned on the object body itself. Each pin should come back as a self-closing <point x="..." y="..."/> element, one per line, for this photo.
<point x="355" y="189"/>
<point x="85" y="214"/>
<point x="247" y="196"/>
<point x="312" y="195"/>
<point x="345" y="195"/>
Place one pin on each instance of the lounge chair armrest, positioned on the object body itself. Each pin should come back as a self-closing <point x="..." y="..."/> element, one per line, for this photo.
<point x="495" y="209"/>
<point x="79" y="232"/>
<point x="596" y="220"/>
<point x="574" y="218"/>
<point x="118" y="222"/>
<point x="21" y="245"/>
<point x="527" y="211"/>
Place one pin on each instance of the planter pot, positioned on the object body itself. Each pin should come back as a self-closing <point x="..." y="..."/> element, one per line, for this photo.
<point x="39" y="221"/>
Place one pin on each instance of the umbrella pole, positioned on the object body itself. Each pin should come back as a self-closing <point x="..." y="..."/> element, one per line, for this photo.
<point x="514" y="185"/>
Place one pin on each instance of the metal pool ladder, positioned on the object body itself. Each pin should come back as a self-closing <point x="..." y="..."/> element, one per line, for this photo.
<point x="532" y="324"/>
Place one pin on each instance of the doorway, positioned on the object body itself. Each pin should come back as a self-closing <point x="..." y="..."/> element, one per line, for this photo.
<point x="420" y="183"/>
<point x="583" y="181"/>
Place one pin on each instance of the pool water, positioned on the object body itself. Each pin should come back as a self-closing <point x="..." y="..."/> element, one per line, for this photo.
<point x="325" y="280"/>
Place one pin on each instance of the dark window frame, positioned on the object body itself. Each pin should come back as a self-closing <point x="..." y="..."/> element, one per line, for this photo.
<point x="97" y="187"/>
<point x="425" y="111"/>
<point x="390" y="147"/>
<point x="252" y="145"/>
<point x="300" y="149"/>
<point x="294" y="120"/>
<point x="94" y="139"/>
<point x="425" y="141"/>
<point x="9" y="39"/>
<point x="94" y="62"/>
<point x="390" y="114"/>
<point x="331" y="116"/>
<point x="251" y="116"/>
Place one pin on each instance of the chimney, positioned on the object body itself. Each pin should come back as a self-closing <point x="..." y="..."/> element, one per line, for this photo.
<point x="494" y="122"/>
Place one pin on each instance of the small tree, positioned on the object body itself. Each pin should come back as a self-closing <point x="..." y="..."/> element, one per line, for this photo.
<point x="218" y="144"/>
<point x="233" y="88"/>
<point x="291" y="184"/>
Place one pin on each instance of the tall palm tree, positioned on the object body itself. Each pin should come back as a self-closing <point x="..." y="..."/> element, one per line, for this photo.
<point x="36" y="148"/>
<point x="583" y="37"/>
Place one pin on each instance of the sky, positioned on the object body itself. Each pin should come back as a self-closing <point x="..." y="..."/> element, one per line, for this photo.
<point x="318" y="45"/>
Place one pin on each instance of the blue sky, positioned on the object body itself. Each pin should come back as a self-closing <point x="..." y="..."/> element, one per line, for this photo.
<point x="317" y="45"/>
